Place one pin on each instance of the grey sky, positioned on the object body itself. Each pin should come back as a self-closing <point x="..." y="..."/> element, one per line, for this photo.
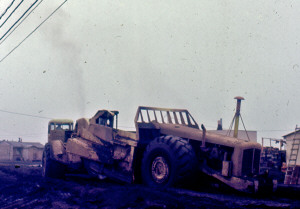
<point x="197" y="55"/>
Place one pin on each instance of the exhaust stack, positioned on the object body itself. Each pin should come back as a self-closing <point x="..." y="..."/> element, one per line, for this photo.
<point x="237" y="115"/>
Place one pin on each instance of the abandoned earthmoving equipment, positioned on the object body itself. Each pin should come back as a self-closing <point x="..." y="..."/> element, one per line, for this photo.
<point x="58" y="130"/>
<point x="167" y="148"/>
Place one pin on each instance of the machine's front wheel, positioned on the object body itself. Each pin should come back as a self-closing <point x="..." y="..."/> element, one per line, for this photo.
<point x="51" y="168"/>
<point x="167" y="161"/>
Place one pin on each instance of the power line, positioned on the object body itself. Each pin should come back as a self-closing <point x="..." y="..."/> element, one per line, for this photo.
<point x="7" y="9"/>
<point x="33" y="30"/>
<point x="11" y="13"/>
<point x="16" y="113"/>
<point x="21" y="22"/>
<point x="274" y="130"/>
<point x="18" y="19"/>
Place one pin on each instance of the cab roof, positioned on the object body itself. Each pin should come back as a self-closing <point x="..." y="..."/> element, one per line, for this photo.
<point x="106" y="113"/>
<point x="61" y="121"/>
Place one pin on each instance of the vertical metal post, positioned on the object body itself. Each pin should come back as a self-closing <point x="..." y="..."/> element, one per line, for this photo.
<point x="270" y="142"/>
<point x="280" y="144"/>
<point x="237" y="116"/>
<point x="117" y="122"/>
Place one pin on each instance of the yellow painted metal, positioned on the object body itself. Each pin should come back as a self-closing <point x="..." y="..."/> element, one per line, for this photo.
<point x="237" y="116"/>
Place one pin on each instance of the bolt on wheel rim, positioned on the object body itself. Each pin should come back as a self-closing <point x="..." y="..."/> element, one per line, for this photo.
<point x="159" y="169"/>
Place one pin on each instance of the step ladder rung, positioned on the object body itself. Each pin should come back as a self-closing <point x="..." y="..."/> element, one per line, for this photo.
<point x="294" y="151"/>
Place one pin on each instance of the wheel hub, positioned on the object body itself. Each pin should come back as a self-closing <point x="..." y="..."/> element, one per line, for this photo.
<point x="159" y="169"/>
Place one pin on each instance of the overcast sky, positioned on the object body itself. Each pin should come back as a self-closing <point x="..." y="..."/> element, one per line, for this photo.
<point x="118" y="55"/>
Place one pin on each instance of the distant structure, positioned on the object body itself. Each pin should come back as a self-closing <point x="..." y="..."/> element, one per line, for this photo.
<point x="220" y="125"/>
<point x="241" y="134"/>
<point x="292" y="175"/>
<point x="21" y="151"/>
<point x="290" y="139"/>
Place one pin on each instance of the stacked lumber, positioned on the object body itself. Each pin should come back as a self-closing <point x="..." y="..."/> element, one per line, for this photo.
<point x="271" y="159"/>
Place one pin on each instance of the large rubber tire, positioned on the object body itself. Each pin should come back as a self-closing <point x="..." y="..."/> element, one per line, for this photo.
<point x="51" y="168"/>
<point x="168" y="161"/>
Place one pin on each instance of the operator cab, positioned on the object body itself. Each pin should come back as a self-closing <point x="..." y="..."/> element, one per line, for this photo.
<point x="105" y="118"/>
<point x="60" y="129"/>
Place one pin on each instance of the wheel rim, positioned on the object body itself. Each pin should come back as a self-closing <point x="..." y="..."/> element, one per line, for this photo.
<point x="159" y="169"/>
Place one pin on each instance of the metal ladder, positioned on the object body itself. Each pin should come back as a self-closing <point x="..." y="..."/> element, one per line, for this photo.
<point x="294" y="150"/>
<point x="291" y="171"/>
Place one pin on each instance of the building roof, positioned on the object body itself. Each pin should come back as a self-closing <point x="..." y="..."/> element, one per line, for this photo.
<point x="291" y="133"/>
<point x="24" y="144"/>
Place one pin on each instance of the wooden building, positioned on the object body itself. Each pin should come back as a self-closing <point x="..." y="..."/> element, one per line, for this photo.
<point x="21" y="151"/>
<point x="289" y="144"/>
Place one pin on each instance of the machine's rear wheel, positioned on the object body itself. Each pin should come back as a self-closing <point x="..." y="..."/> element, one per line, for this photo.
<point x="167" y="161"/>
<point x="51" y="168"/>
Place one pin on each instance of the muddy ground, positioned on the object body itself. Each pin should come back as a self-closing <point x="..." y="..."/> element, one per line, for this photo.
<point x="24" y="187"/>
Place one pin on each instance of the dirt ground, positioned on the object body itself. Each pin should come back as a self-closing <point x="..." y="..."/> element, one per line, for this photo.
<point x="24" y="187"/>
